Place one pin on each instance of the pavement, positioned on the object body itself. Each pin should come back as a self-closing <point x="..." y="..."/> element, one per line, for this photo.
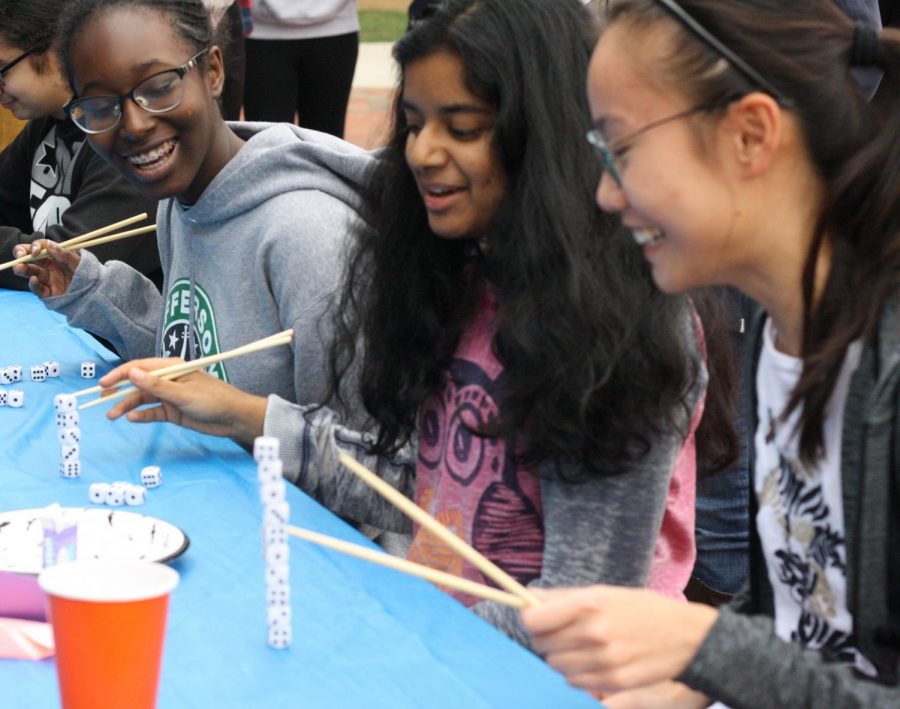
<point x="369" y="109"/>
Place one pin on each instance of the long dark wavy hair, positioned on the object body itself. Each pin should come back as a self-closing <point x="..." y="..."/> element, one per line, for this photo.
<point x="598" y="361"/>
<point x="805" y="49"/>
<point x="30" y="24"/>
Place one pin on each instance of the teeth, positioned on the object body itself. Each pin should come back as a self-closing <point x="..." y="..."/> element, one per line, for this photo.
<point x="437" y="192"/>
<point x="644" y="237"/>
<point x="153" y="155"/>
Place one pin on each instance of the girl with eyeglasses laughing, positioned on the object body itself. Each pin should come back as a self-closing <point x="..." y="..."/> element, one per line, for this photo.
<point x="740" y="151"/>
<point x="252" y="217"/>
<point x="52" y="185"/>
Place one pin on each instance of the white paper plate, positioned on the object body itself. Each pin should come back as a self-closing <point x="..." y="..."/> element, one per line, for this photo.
<point x="104" y="533"/>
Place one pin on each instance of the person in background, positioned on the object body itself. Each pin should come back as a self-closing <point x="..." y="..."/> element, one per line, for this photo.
<point x="301" y="57"/>
<point x="741" y="149"/>
<point x="228" y="25"/>
<point x="52" y="185"/>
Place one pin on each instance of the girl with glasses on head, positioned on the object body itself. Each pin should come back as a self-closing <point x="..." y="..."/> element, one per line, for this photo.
<point x="252" y="217"/>
<point x="52" y="185"/>
<point x="786" y="188"/>
<point x="531" y="387"/>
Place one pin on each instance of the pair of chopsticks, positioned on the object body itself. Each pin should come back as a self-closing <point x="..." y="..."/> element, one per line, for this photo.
<point x="90" y="239"/>
<point x="177" y="370"/>
<point x="515" y="595"/>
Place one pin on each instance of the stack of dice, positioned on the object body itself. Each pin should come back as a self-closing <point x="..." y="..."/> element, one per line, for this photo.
<point x="69" y="434"/>
<point x="276" y="513"/>
<point x="13" y="397"/>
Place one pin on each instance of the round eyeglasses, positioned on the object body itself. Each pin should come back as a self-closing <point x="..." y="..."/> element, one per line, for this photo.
<point x="9" y="65"/>
<point x="159" y="93"/>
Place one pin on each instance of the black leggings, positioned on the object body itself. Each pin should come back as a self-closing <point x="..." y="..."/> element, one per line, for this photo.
<point x="311" y="77"/>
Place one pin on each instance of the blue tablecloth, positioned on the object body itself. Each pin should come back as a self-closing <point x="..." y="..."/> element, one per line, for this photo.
<point x="363" y="636"/>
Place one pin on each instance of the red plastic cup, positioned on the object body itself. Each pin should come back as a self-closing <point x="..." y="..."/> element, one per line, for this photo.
<point x="109" y="621"/>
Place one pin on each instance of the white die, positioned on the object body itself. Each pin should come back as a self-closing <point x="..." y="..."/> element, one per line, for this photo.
<point x="88" y="370"/>
<point x="277" y="554"/>
<point x="277" y="513"/>
<point x="4" y="397"/>
<point x="67" y="419"/>
<point x="278" y="614"/>
<point x="69" y="436"/>
<point x="70" y="452"/>
<point x="38" y="373"/>
<point x="275" y="533"/>
<point x="97" y="493"/>
<point x="272" y="492"/>
<point x="269" y="470"/>
<point x="70" y="468"/>
<point x="265" y="448"/>
<point x="279" y="636"/>
<point x="278" y="595"/>
<point x="5" y="376"/>
<point x="52" y="368"/>
<point x="151" y="476"/>
<point x="135" y="495"/>
<point x="16" y="398"/>
<point x="64" y="402"/>
<point x="115" y="496"/>
<point x="277" y="575"/>
<point x="15" y="373"/>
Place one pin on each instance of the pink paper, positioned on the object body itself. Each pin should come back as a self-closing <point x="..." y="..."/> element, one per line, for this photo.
<point x="25" y="639"/>
<point x="21" y="597"/>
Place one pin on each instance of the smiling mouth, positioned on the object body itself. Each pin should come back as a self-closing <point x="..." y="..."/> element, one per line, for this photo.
<point x="648" y="237"/>
<point x="153" y="158"/>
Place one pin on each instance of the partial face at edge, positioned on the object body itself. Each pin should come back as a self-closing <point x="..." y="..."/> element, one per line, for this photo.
<point x="173" y="154"/>
<point x="670" y="190"/>
<point x="449" y="148"/>
<point x="28" y="93"/>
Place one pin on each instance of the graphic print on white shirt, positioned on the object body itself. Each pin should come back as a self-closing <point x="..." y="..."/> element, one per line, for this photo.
<point x="801" y="512"/>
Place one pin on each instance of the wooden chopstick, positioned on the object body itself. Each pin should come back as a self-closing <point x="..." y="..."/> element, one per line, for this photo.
<point x="104" y="240"/>
<point x="77" y="240"/>
<point x="442" y="578"/>
<point x="176" y="370"/>
<point x="412" y="510"/>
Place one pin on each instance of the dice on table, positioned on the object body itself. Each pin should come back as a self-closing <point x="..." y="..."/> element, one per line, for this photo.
<point x="38" y="373"/>
<point x="151" y="476"/>
<point x="70" y="468"/>
<point x="115" y="496"/>
<point x="52" y="368"/>
<point x="69" y="436"/>
<point x="135" y="495"/>
<point x="269" y="471"/>
<point x="276" y="513"/>
<point x="97" y="493"/>
<point x="16" y="398"/>
<point x="274" y="534"/>
<point x="5" y="376"/>
<point x="88" y="370"/>
<point x="265" y="448"/>
<point x="278" y="595"/>
<point x="4" y="397"/>
<point x="272" y="491"/>
<point x="279" y="636"/>
<point x="64" y="402"/>
<point x="277" y="554"/>
<point x="70" y="452"/>
<point x="15" y="373"/>
<point x="67" y="419"/>
<point x="278" y="613"/>
<point x="277" y="575"/>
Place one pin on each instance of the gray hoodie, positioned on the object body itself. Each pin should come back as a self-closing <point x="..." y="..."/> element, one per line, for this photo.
<point x="260" y="251"/>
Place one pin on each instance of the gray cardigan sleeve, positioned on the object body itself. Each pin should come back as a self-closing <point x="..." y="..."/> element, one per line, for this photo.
<point x="793" y="676"/>
<point x="114" y="301"/>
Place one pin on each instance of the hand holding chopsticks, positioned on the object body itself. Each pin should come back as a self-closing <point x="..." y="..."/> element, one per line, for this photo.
<point x="87" y="240"/>
<point x="182" y="368"/>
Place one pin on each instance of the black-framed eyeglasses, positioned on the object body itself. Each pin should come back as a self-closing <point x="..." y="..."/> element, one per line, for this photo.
<point x="680" y="14"/>
<point x="611" y="150"/>
<point x="159" y="93"/>
<point x="9" y="65"/>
